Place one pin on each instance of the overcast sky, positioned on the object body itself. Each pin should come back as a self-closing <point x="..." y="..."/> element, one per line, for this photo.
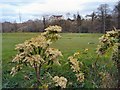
<point x="35" y="9"/>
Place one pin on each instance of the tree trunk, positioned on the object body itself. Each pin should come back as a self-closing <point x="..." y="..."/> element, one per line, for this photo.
<point x="119" y="20"/>
<point x="44" y="22"/>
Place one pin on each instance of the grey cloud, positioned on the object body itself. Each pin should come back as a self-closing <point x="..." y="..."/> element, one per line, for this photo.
<point x="10" y="14"/>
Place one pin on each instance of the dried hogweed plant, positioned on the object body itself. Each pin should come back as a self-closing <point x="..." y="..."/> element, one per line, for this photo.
<point x="36" y="52"/>
<point x="60" y="81"/>
<point x="75" y="66"/>
<point x="111" y="41"/>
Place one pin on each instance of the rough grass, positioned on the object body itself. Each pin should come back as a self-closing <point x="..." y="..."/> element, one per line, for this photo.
<point x="68" y="44"/>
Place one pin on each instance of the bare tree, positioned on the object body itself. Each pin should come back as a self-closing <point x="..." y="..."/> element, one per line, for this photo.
<point x="103" y="11"/>
<point x="44" y="22"/>
<point x="93" y="17"/>
<point x="117" y="9"/>
<point x="79" y="22"/>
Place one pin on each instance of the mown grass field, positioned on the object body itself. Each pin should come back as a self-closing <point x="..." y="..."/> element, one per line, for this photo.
<point x="68" y="44"/>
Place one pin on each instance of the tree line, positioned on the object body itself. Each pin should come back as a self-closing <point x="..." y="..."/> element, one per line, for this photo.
<point x="99" y="21"/>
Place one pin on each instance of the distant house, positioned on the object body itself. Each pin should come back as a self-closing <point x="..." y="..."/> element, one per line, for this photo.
<point x="56" y="17"/>
<point x="72" y="20"/>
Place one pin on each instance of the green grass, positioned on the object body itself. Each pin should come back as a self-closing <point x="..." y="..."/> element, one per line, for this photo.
<point x="74" y="42"/>
<point x="68" y="44"/>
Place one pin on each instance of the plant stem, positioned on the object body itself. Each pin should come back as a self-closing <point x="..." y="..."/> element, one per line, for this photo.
<point x="37" y="71"/>
<point x="38" y="76"/>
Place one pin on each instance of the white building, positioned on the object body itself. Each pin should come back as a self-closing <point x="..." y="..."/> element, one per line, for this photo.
<point x="56" y="17"/>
